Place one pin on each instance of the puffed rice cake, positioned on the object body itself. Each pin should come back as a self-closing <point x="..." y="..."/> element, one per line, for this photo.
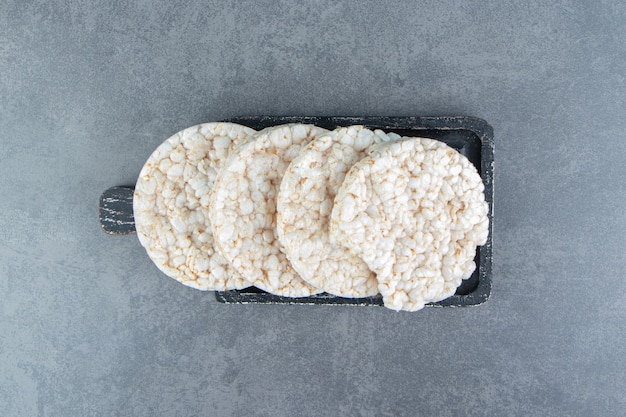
<point x="171" y="201"/>
<point x="414" y="210"/>
<point x="243" y="208"/>
<point x="304" y="204"/>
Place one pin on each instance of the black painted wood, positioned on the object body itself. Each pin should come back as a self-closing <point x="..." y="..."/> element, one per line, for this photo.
<point x="253" y="295"/>
<point x="116" y="211"/>
<point x="471" y="136"/>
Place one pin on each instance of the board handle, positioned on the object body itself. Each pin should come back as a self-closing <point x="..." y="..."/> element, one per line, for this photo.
<point x="116" y="211"/>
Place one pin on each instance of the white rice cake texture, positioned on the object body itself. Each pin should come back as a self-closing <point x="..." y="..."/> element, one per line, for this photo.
<point x="305" y="201"/>
<point x="171" y="203"/>
<point x="243" y="208"/>
<point x="414" y="211"/>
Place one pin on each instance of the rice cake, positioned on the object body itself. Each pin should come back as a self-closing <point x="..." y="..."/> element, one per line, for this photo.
<point x="414" y="210"/>
<point x="171" y="201"/>
<point x="304" y="204"/>
<point x="243" y="208"/>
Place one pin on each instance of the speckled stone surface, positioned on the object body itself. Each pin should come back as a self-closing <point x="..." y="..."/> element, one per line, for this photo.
<point x="89" y="327"/>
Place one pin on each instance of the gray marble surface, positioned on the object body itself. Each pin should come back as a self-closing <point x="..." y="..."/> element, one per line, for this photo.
<point x="89" y="327"/>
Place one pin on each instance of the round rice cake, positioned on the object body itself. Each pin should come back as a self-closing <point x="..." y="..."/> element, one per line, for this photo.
<point x="243" y="208"/>
<point x="171" y="202"/>
<point x="304" y="204"/>
<point x="414" y="210"/>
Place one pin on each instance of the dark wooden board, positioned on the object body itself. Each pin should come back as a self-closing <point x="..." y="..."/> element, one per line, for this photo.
<point x="116" y="211"/>
<point x="470" y="136"/>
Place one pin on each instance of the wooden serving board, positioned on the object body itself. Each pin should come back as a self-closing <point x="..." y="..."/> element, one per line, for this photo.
<point x="470" y="136"/>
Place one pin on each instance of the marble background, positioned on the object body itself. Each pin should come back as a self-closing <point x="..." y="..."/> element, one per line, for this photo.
<point x="89" y="327"/>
